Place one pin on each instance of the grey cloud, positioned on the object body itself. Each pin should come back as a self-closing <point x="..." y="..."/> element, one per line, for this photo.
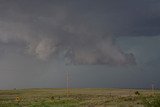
<point x="85" y="29"/>
<point x="39" y="37"/>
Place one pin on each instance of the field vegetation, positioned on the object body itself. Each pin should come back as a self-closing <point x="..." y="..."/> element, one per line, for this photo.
<point x="79" y="98"/>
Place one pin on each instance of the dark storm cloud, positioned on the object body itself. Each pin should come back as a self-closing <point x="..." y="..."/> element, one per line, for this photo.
<point x="84" y="30"/>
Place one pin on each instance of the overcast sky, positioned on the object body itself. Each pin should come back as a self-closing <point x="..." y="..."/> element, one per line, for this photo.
<point x="101" y="43"/>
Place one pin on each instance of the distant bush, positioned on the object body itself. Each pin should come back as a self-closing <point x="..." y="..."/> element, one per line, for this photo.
<point x="137" y="93"/>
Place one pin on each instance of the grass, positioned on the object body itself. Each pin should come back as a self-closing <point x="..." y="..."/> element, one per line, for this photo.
<point x="79" y="98"/>
<point x="152" y="101"/>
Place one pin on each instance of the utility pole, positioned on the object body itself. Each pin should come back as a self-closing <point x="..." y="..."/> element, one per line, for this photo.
<point x="67" y="77"/>
<point x="152" y="87"/>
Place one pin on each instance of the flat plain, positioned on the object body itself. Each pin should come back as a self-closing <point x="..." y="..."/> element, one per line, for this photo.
<point x="78" y="97"/>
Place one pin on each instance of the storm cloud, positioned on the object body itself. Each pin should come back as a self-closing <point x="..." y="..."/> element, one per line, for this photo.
<point x="84" y="30"/>
<point x="84" y="33"/>
<point x="40" y="39"/>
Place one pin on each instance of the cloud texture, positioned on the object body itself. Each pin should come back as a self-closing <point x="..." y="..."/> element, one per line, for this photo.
<point x="84" y="33"/>
<point x="41" y="39"/>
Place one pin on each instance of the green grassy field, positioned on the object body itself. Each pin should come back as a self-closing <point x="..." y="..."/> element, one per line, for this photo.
<point x="78" y="98"/>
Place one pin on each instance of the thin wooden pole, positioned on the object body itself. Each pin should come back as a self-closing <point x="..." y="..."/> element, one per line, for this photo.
<point x="67" y="84"/>
<point x="152" y="87"/>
